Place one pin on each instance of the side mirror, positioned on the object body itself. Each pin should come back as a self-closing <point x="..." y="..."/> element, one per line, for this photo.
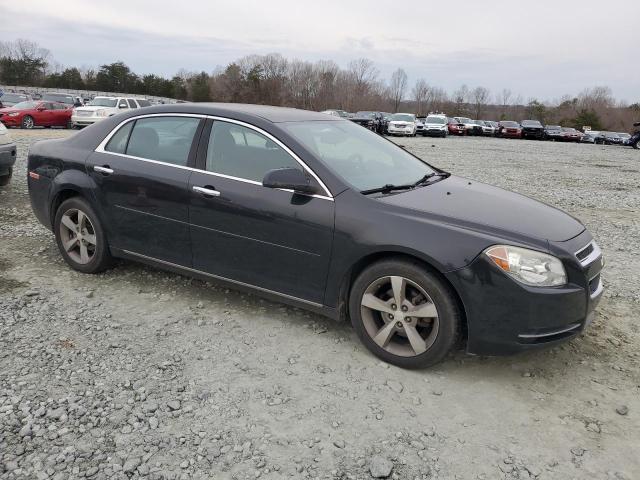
<point x="290" y="179"/>
<point x="123" y="105"/>
<point x="41" y="109"/>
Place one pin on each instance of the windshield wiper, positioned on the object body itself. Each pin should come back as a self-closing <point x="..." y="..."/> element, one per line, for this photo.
<point x="428" y="176"/>
<point x="387" y="188"/>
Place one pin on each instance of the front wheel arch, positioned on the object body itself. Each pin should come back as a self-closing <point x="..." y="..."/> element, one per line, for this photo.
<point x="354" y="271"/>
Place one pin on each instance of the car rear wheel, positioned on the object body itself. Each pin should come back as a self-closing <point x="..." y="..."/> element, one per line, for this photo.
<point x="404" y="314"/>
<point x="27" y="122"/>
<point x="80" y="237"/>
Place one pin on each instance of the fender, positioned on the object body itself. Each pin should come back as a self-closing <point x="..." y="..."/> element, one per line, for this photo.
<point x="79" y="182"/>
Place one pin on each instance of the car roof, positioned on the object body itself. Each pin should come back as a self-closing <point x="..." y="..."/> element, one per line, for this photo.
<point x="265" y="112"/>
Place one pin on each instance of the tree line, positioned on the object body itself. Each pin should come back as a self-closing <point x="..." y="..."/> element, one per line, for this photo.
<point x="274" y="80"/>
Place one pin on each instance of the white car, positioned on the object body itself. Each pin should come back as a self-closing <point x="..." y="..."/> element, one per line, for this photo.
<point x="7" y="155"/>
<point x="402" y="124"/>
<point x="436" y="126"/>
<point x="336" y="113"/>
<point x="102" y="107"/>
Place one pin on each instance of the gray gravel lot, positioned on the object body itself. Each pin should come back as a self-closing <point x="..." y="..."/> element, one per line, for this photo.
<point x="138" y="373"/>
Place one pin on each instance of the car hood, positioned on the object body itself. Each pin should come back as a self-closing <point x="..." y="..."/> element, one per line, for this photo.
<point x="487" y="208"/>
<point x="7" y="110"/>
<point x="93" y="108"/>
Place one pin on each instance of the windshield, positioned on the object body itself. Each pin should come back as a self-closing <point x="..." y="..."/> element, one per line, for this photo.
<point x="568" y="129"/>
<point x="10" y="97"/>
<point x="402" y="117"/>
<point x="56" y="97"/>
<point x="554" y="127"/>
<point x="103" y="102"/>
<point x="510" y="124"/>
<point x="360" y="157"/>
<point x="531" y="123"/>
<point x="24" y="105"/>
<point x="365" y="114"/>
<point x="437" y="120"/>
<point x="464" y="119"/>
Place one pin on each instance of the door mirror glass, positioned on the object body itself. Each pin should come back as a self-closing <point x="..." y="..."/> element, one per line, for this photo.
<point x="290" y="179"/>
<point x="123" y="105"/>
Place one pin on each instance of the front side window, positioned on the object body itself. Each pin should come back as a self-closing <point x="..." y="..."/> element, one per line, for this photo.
<point x="362" y="158"/>
<point x="122" y="103"/>
<point x="241" y="152"/>
<point x="132" y="103"/>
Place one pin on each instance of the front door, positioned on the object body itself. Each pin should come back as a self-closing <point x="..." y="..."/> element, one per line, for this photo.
<point x="143" y="179"/>
<point x="272" y="239"/>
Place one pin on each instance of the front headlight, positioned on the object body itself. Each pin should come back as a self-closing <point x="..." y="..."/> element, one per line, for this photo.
<point x="530" y="267"/>
<point x="13" y="114"/>
<point x="102" y="113"/>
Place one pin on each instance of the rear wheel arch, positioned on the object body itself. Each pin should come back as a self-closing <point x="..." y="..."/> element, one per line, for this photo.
<point x="62" y="195"/>
<point x="358" y="267"/>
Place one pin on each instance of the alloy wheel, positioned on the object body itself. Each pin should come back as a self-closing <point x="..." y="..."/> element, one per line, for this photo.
<point x="78" y="236"/>
<point x="399" y="316"/>
<point x="27" y="122"/>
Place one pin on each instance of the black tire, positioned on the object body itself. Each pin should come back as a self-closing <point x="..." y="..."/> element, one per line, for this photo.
<point x="636" y="145"/>
<point x="5" y="179"/>
<point x="448" y="313"/>
<point x="27" y="122"/>
<point x="69" y="125"/>
<point x="101" y="257"/>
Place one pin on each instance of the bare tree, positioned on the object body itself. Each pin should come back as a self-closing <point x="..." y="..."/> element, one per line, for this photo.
<point x="398" y="87"/>
<point x="460" y="98"/>
<point x="480" y="96"/>
<point x="420" y="92"/>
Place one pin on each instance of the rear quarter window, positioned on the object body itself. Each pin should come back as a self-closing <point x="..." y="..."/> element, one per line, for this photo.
<point x="118" y="143"/>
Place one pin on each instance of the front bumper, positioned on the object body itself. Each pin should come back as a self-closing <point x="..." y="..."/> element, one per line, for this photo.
<point x="505" y="317"/>
<point x="15" y="121"/>
<point x="7" y="158"/>
<point x="434" y="132"/>
<point x="400" y="131"/>
<point x="84" y="121"/>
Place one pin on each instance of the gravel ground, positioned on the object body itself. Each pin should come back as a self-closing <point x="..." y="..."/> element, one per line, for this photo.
<point x="137" y="373"/>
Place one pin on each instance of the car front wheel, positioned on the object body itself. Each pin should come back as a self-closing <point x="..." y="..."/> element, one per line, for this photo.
<point x="80" y="237"/>
<point x="5" y="179"/>
<point x="404" y="314"/>
<point x="27" y="122"/>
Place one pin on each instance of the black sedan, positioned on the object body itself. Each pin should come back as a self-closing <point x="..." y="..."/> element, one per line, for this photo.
<point x="320" y="213"/>
<point x="532" y="129"/>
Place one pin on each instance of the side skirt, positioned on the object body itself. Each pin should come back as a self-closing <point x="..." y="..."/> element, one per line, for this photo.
<point x="234" y="284"/>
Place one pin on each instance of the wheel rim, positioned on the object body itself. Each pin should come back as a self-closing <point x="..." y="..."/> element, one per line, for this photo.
<point x="28" y="122"/>
<point x="78" y="236"/>
<point x="399" y="316"/>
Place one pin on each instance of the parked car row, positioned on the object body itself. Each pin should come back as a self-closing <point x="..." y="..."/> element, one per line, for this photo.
<point x="440" y="125"/>
<point x="62" y="110"/>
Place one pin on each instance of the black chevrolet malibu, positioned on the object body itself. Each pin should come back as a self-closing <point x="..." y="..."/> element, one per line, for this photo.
<point x="321" y="213"/>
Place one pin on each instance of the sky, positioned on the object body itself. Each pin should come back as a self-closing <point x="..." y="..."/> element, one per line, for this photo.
<point x="539" y="49"/>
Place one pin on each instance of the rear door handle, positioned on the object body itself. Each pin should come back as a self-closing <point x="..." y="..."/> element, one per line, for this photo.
<point x="106" y="170"/>
<point x="206" y="191"/>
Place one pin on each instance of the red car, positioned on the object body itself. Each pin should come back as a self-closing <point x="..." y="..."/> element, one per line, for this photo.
<point x="571" y="135"/>
<point x="508" y="129"/>
<point x="37" y="114"/>
<point x="455" y="127"/>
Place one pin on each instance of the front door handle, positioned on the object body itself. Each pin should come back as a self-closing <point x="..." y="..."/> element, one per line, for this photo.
<point x="207" y="191"/>
<point x="105" y="170"/>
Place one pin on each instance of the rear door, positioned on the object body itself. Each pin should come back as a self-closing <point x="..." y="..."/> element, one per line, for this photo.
<point x="269" y="238"/>
<point x="43" y="115"/>
<point x="142" y="173"/>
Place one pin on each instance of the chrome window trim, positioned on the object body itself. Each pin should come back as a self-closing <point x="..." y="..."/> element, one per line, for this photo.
<point x="101" y="149"/>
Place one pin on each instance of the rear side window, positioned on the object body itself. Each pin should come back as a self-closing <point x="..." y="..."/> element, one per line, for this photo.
<point x="241" y="152"/>
<point x="165" y="139"/>
<point x="144" y="103"/>
<point x="118" y="143"/>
